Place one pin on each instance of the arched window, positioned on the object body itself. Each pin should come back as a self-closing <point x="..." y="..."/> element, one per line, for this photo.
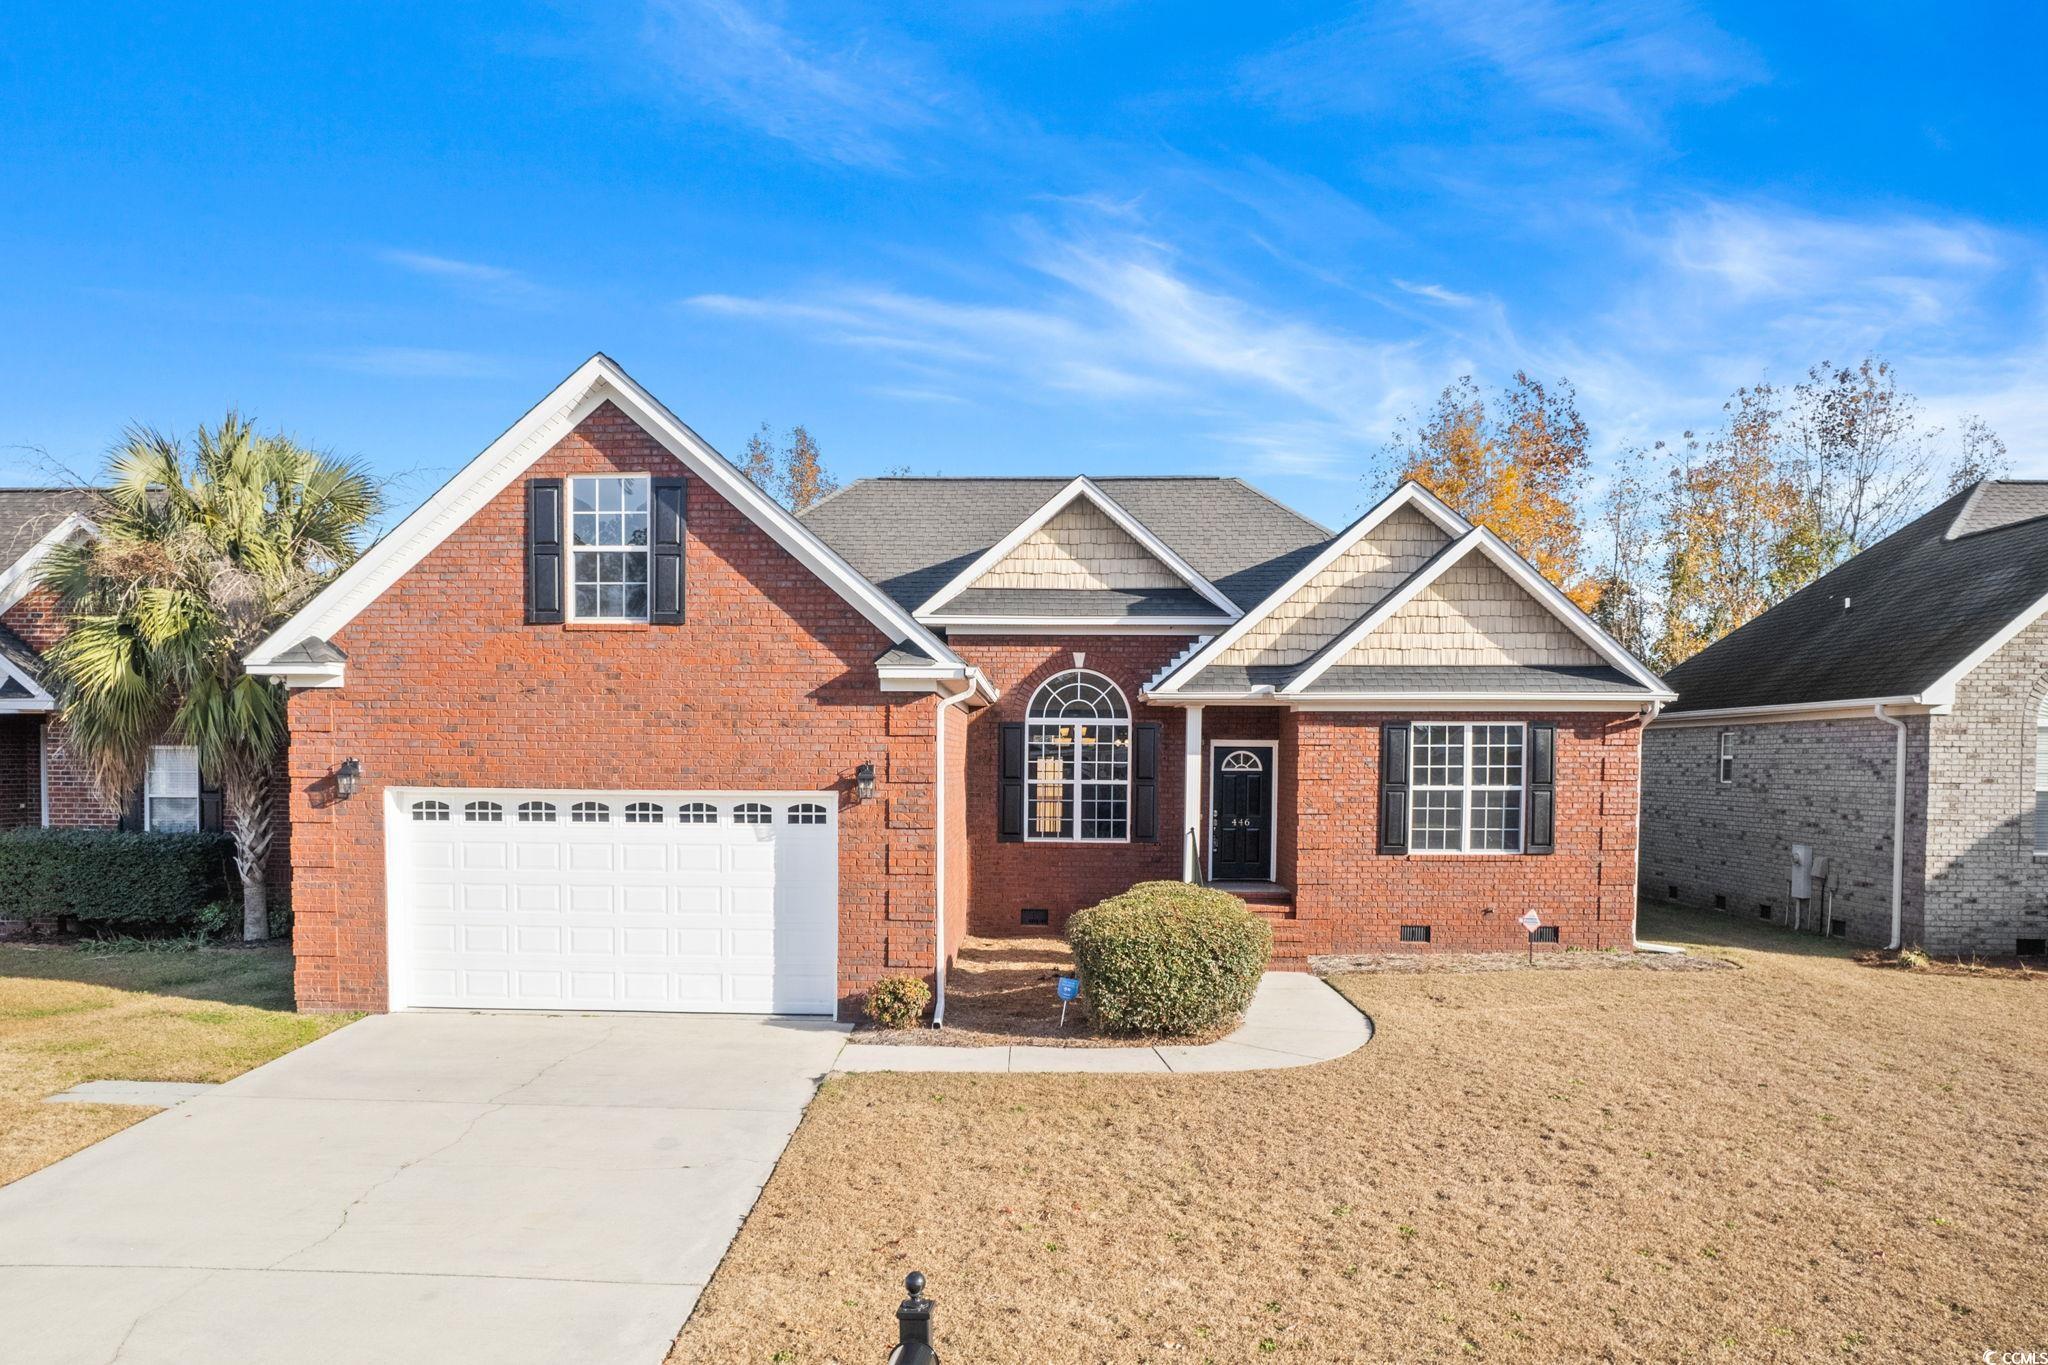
<point x="643" y="812"/>
<point x="1242" y="761"/>
<point x="809" y="813"/>
<point x="697" y="813"/>
<point x="590" y="813"/>
<point x="752" y="813"/>
<point x="1077" y="759"/>
<point x="487" y="811"/>
<point x="2041" y="781"/>
<point x="536" y="812"/>
<point x="430" y="810"/>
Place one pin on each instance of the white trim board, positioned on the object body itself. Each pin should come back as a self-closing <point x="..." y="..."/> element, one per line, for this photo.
<point x="1208" y="804"/>
<point x="20" y="578"/>
<point x="598" y="380"/>
<point x="1079" y="487"/>
<point x="1410" y="494"/>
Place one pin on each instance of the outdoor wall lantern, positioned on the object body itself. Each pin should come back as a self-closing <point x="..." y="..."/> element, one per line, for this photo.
<point x="347" y="778"/>
<point x="864" y="781"/>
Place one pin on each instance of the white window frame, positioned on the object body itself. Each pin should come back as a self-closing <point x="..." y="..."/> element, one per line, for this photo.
<point x="1466" y="787"/>
<point x="1071" y="783"/>
<point x="151" y="795"/>
<point x="645" y="549"/>
<point x="1724" y="762"/>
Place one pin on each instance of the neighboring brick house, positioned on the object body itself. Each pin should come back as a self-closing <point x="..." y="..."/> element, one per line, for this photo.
<point x="602" y="726"/>
<point x="41" y="783"/>
<point x="1905" y="691"/>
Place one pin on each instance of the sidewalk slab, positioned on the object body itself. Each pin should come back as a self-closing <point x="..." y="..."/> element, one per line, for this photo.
<point x="1294" y="1020"/>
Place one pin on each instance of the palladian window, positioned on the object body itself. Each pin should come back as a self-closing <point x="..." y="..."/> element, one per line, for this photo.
<point x="1077" y="747"/>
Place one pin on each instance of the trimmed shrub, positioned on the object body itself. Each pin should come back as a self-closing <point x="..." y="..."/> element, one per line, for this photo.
<point x="111" y="883"/>
<point x="899" y="1001"/>
<point x="1168" y="957"/>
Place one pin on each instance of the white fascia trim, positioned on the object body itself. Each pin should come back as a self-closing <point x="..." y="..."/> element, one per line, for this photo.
<point x="1847" y="709"/>
<point x="298" y="677"/>
<point x="936" y="678"/>
<point x="21" y="577"/>
<point x="1942" y="691"/>
<point x="1409" y="494"/>
<point x="1074" y="625"/>
<point x="512" y="454"/>
<point x="1391" y="603"/>
<point x="1517" y="568"/>
<point x="38" y="699"/>
<point x="1416" y="701"/>
<point x="26" y="706"/>
<point x="1080" y="487"/>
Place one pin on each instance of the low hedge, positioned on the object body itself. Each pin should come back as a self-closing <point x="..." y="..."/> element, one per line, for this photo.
<point x="108" y="882"/>
<point x="899" y="1001"/>
<point x="1169" y="957"/>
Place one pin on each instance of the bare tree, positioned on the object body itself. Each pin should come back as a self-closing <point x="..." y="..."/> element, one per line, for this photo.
<point x="1860" y="452"/>
<point x="1632" y="522"/>
<point x="759" y="464"/>
<point x="1980" y="455"/>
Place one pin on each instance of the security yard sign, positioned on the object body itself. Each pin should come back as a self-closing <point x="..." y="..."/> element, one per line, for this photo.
<point x="1531" y="921"/>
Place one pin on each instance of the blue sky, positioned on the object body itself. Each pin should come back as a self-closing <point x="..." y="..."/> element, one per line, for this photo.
<point x="996" y="238"/>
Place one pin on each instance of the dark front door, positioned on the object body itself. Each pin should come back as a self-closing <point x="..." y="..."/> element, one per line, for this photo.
<point x="1241" y="813"/>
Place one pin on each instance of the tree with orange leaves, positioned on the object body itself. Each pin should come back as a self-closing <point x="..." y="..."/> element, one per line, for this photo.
<point x="1518" y="471"/>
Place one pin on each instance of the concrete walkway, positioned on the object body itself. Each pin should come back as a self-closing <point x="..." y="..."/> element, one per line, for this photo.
<point x="431" y="1187"/>
<point x="1295" y="1020"/>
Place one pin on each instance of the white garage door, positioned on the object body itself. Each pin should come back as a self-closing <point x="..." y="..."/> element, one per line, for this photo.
<point x="616" y="900"/>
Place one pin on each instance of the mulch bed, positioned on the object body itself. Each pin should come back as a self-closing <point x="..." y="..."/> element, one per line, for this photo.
<point x="1001" y="992"/>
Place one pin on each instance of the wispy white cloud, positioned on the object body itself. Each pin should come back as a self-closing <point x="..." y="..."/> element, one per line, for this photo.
<point x="415" y="362"/>
<point x="853" y="101"/>
<point x="488" y="283"/>
<point x="1611" y="62"/>
<point x="1436" y="293"/>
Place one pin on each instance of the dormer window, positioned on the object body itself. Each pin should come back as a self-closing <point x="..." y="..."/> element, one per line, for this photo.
<point x="608" y="548"/>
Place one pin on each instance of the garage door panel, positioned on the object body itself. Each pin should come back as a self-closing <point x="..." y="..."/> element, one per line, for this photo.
<point x="683" y="908"/>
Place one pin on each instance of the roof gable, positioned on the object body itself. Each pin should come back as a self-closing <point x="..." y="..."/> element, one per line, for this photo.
<point x="1079" y="540"/>
<point x="597" y="381"/>
<point x="911" y="536"/>
<point x="1312" y="571"/>
<point x="1904" y="621"/>
<point x="1482" y="602"/>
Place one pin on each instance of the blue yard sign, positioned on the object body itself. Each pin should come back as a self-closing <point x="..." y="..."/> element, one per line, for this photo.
<point x="1070" y="989"/>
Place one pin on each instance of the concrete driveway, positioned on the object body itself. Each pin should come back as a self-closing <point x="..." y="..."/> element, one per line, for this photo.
<point x="417" y="1187"/>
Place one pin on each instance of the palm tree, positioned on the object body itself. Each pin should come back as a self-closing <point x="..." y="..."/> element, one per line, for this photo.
<point x="202" y="552"/>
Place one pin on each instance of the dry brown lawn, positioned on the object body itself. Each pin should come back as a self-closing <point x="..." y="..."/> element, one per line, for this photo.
<point x="70" y="1014"/>
<point x="1802" y="1159"/>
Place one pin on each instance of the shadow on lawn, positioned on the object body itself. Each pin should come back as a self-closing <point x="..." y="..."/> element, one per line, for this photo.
<point x="1663" y="922"/>
<point x="261" y="977"/>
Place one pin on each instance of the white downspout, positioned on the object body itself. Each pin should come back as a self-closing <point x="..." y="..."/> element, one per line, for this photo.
<point x="1898" y="829"/>
<point x="1191" y="796"/>
<point x="939" y="857"/>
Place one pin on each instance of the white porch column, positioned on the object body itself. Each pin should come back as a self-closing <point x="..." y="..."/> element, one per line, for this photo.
<point x="1191" y="801"/>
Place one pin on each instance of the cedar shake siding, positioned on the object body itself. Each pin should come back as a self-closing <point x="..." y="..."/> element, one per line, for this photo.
<point x="1079" y="549"/>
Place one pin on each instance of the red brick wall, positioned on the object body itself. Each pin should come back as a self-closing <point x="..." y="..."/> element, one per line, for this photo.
<point x="1063" y="877"/>
<point x="36" y="620"/>
<point x="1350" y="899"/>
<point x="769" y="684"/>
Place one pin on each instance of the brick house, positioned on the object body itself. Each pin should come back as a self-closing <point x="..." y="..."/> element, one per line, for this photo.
<point x="1893" y="718"/>
<point x="602" y="726"/>
<point x="41" y="783"/>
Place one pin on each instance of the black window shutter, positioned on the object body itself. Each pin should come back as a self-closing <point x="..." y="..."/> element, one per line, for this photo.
<point x="543" y="552"/>
<point x="665" y="567"/>
<point x="1010" y="786"/>
<point x="132" y="819"/>
<point x="1145" y="783"/>
<point x="210" y="807"/>
<point x="1542" y="826"/>
<point x="1394" y="787"/>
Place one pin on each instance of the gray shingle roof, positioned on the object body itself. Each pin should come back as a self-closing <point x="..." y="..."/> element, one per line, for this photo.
<point x="1918" y="603"/>
<point x="29" y="514"/>
<point x="910" y="537"/>
<point x="1440" y="678"/>
<point x="1062" y="602"/>
<point x="23" y="659"/>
